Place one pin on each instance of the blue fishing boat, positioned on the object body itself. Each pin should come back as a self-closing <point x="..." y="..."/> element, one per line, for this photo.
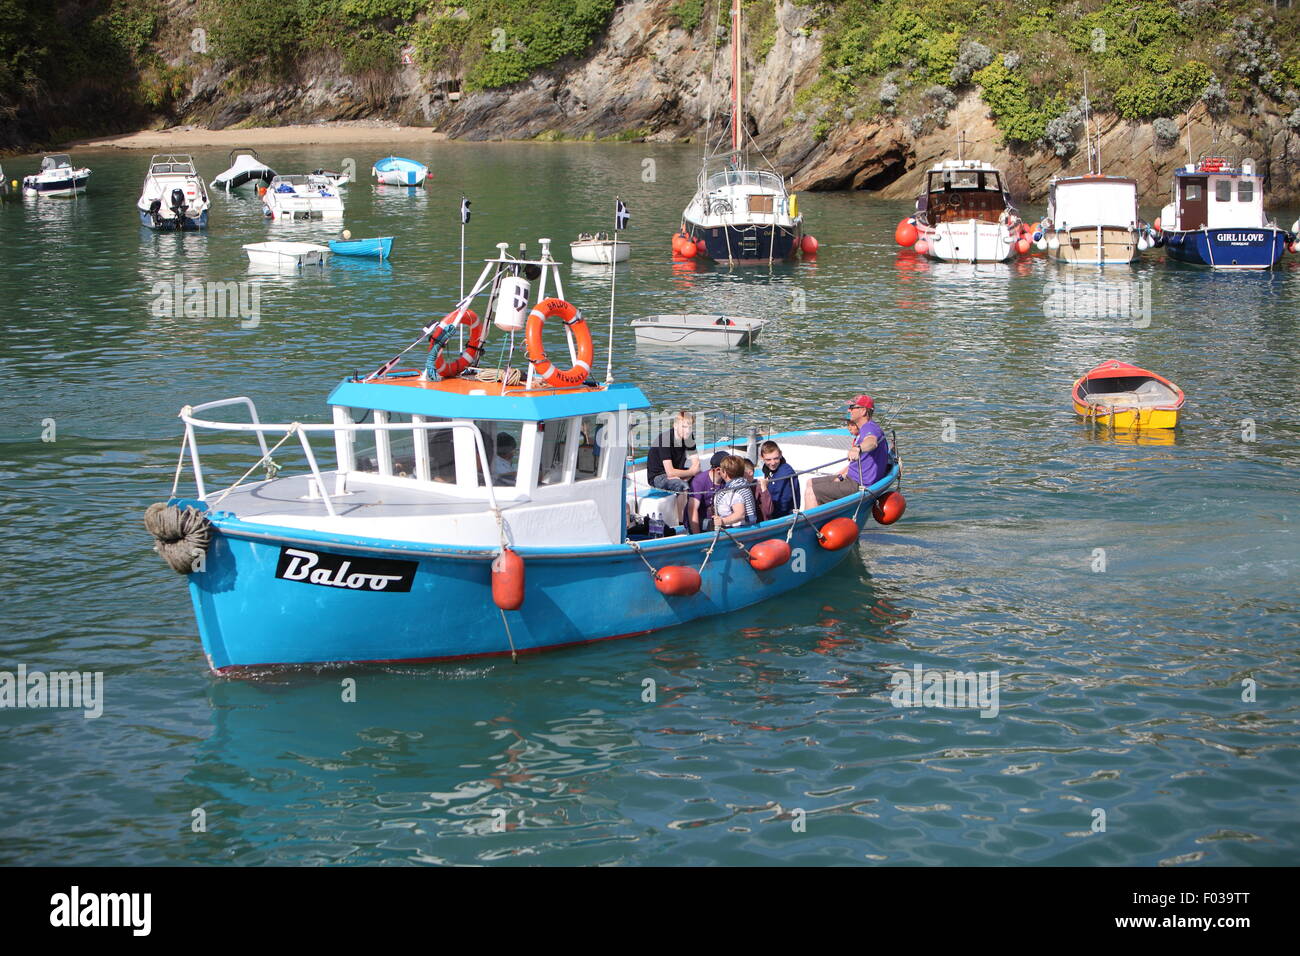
<point x="1217" y="217"/>
<point x="474" y="512"/>
<point x="396" y="171"/>
<point x="381" y="247"/>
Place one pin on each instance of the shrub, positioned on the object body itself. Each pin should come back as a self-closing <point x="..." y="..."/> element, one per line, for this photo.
<point x="1165" y="132"/>
<point x="973" y="56"/>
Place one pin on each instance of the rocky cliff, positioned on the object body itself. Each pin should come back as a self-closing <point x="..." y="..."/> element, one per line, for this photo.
<point x="648" y="77"/>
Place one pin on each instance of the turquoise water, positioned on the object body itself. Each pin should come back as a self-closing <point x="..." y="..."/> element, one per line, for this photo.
<point x="772" y="738"/>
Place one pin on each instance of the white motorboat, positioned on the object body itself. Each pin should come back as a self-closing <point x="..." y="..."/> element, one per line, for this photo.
<point x="1093" y="220"/>
<point x="245" y="167"/>
<point x="965" y="213"/>
<point x="599" y="249"/>
<point x="297" y="197"/>
<point x="709" y="331"/>
<point x="174" y="195"/>
<point x="328" y="177"/>
<point x="286" y="255"/>
<point x="58" y="177"/>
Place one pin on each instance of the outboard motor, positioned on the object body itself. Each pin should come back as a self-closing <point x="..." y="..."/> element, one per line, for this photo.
<point x="178" y="207"/>
<point x="154" y="208"/>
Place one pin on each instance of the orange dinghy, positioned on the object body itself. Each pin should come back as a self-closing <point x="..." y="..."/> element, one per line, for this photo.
<point x="1125" y="396"/>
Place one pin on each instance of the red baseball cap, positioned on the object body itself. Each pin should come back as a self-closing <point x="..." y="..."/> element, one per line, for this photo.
<point x="862" y="401"/>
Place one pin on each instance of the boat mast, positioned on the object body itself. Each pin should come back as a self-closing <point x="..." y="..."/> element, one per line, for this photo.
<point x="1094" y="158"/>
<point x="735" y="75"/>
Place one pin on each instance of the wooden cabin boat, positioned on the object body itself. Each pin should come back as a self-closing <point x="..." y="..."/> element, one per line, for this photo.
<point x="965" y="213"/>
<point x="1125" y="396"/>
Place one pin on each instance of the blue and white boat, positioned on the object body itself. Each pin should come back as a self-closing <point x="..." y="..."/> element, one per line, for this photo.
<point x="1217" y="217"/>
<point x="58" y="177"/>
<point x="741" y="214"/>
<point x="470" y="512"/>
<point x="396" y="171"/>
<point x="380" y="247"/>
<point x="174" y="197"/>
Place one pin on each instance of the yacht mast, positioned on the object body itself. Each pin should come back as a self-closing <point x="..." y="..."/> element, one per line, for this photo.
<point x="735" y="75"/>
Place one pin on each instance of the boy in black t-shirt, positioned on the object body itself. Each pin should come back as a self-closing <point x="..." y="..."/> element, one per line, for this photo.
<point x="672" y="461"/>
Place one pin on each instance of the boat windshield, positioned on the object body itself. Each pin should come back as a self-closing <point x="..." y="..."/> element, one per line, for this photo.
<point x="745" y="177"/>
<point x="56" y="161"/>
<point x="977" y="179"/>
<point x="171" y="164"/>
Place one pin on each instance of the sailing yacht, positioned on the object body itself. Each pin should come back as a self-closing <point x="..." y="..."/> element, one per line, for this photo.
<point x="741" y="214"/>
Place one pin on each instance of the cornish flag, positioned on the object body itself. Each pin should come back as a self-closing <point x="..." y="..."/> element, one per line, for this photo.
<point x="464" y="209"/>
<point x="621" y="215"/>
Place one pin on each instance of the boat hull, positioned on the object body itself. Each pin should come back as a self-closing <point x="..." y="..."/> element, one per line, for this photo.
<point x="56" y="187"/>
<point x="1124" y="418"/>
<point x="745" y="245"/>
<point x="380" y="248"/>
<point x="599" y="253"/>
<point x="1096" y="246"/>
<point x="249" y="617"/>
<point x="968" y="241"/>
<point x="185" y="224"/>
<point x="1136" y="398"/>
<point x="1259" y="247"/>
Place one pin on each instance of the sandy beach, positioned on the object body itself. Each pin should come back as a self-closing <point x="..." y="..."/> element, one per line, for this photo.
<point x="191" y="137"/>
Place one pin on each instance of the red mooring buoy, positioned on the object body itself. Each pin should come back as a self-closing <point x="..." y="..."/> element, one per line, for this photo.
<point x="676" y="580"/>
<point x="838" y="533"/>
<point x="767" y="555"/>
<point x="889" y="507"/>
<point x="508" y="580"/>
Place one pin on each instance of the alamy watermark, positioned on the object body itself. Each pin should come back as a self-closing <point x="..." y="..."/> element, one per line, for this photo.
<point x="1105" y="302"/>
<point x="37" y="689"/>
<point x="199" y="299"/>
<point x="952" y="690"/>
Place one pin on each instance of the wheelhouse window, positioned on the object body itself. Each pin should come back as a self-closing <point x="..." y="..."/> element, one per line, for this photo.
<point x="502" y="441"/>
<point x="1222" y="191"/>
<point x="1192" y="192"/>
<point x="1246" y="191"/>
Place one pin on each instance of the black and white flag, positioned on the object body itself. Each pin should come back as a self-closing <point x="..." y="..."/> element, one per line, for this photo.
<point x="464" y="210"/>
<point x="621" y="215"/>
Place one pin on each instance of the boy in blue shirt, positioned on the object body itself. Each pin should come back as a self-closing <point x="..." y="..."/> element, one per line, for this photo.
<point x="779" y="482"/>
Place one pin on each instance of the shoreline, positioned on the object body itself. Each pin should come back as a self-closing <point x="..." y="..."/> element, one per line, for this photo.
<point x="313" y="134"/>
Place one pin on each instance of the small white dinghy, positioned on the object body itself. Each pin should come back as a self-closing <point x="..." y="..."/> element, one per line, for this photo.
<point x="286" y="255"/>
<point x="709" y="331"/>
<point x="599" y="249"/>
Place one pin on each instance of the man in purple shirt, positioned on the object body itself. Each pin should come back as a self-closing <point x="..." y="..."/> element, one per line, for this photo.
<point x="868" y="458"/>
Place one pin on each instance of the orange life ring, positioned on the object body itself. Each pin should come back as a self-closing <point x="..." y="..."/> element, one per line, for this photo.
<point x="477" y="333"/>
<point x="573" y="320"/>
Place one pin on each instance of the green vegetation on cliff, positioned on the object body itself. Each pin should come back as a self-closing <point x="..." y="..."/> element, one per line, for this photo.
<point x="67" y="66"/>
<point x="1145" y="59"/>
<point x="491" y="43"/>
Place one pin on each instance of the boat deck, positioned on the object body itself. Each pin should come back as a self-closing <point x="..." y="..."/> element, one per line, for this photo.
<point x="288" y="496"/>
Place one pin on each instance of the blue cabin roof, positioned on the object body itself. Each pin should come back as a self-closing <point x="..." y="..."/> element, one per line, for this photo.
<point x="437" y="400"/>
